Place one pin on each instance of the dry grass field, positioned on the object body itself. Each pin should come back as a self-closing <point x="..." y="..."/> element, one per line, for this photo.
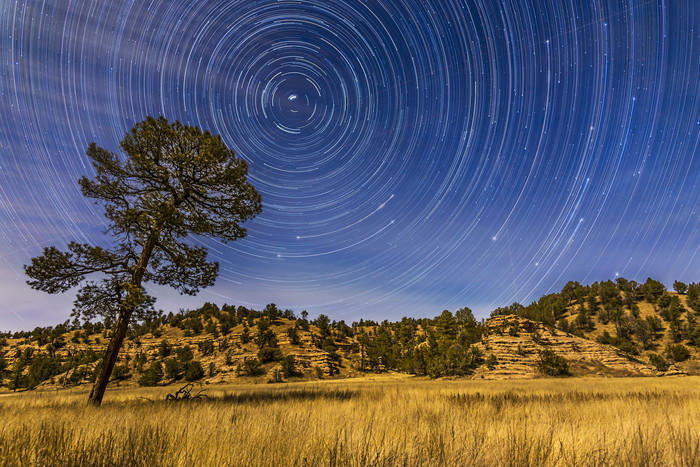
<point x="388" y="420"/>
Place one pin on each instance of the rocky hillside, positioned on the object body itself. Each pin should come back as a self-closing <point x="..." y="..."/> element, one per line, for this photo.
<point x="516" y="345"/>
<point x="643" y="323"/>
<point x="170" y="354"/>
<point x="611" y="329"/>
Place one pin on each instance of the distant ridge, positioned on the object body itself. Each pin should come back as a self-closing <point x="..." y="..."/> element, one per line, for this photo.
<point x="610" y="328"/>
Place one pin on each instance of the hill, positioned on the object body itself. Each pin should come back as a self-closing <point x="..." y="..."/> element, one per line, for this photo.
<point x="611" y="328"/>
<point x="645" y="323"/>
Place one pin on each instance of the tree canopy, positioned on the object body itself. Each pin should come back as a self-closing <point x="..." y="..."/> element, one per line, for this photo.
<point x="172" y="181"/>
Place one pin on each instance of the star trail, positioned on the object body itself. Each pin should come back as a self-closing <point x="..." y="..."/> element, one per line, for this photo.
<point x="412" y="156"/>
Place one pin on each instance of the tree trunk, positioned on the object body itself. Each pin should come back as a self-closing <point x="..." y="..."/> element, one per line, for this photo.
<point x="115" y="344"/>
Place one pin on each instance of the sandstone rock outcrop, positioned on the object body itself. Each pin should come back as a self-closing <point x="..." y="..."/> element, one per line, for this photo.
<point x="516" y="343"/>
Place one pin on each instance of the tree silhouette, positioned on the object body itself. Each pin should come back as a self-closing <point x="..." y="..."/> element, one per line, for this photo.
<point x="173" y="181"/>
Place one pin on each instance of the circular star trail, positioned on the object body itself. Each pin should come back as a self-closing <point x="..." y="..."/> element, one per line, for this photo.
<point x="412" y="156"/>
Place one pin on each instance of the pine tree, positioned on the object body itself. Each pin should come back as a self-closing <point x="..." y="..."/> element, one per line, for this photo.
<point x="173" y="181"/>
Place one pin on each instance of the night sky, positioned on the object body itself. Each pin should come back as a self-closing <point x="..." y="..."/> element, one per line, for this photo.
<point x="412" y="156"/>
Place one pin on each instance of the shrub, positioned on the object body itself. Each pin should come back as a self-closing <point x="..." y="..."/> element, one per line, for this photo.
<point x="245" y="335"/>
<point x="492" y="361"/>
<point x="152" y="376"/>
<point x="41" y="368"/>
<point x="563" y="325"/>
<point x="552" y="364"/>
<point x="658" y="362"/>
<point x="680" y="287"/>
<point x="293" y="335"/>
<point x="194" y="371"/>
<point x="120" y="372"/>
<point x="625" y="345"/>
<point x="17" y="378"/>
<point x="229" y="358"/>
<point x="655" y="324"/>
<point x="184" y="354"/>
<point x="164" y="349"/>
<point x="253" y="367"/>
<point x="206" y="347"/>
<point x="652" y="290"/>
<point x="211" y="328"/>
<point x="269" y="354"/>
<point x="139" y="361"/>
<point x="173" y="368"/>
<point x="266" y="338"/>
<point x="677" y="352"/>
<point x="622" y="343"/>
<point x="289" y="366"/>
<point x="78" y="375"/>
<point x="536" y="338"/>
<point x="193" y="325"/>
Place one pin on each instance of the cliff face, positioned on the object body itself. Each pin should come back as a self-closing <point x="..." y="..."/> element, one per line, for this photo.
<point x="516" y="344"/>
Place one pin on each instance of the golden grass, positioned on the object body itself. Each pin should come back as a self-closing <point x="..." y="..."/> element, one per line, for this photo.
<point x="370" y="421"/>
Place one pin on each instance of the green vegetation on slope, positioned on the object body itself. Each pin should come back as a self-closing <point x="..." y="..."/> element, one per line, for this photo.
<point x="644" y="322"/>
<point x="638" y="319"/>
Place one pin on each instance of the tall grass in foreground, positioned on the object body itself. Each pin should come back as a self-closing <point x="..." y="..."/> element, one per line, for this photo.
<point x="371" y="422"/>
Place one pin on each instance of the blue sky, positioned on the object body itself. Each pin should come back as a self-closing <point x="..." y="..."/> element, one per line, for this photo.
<point x="412" y="156"/>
